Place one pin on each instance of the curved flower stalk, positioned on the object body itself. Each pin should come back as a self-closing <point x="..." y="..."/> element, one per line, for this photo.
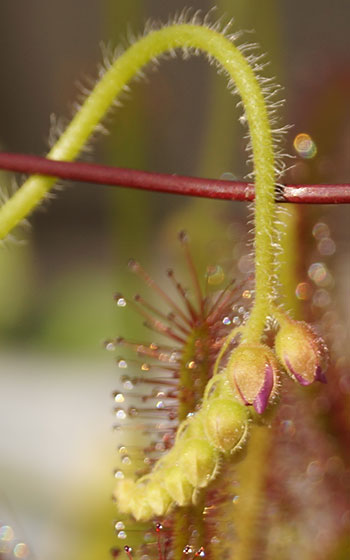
<point x="250" y="374"/>
<point x="243" y="380"/>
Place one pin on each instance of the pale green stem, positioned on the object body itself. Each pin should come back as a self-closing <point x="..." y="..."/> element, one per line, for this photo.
<point x="101" y="99"/>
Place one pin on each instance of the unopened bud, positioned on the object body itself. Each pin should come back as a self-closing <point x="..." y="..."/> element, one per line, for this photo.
<point x="131" y="498"/>
<point x="226" y="423"/>
<point x="123" y="493"/>
<point x="140" y="507"/>
<point x="197" y="460"/>
<point x="252" y="372"/>
<point x="302" y="352"/>
<point x="157" y="497"/>
<point x="177" y="486"/>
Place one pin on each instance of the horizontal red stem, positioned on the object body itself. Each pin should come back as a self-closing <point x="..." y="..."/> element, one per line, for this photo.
<point x="176" y="184"/>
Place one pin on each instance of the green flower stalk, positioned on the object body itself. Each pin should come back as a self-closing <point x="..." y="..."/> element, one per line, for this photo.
<point x="243" y="380"/>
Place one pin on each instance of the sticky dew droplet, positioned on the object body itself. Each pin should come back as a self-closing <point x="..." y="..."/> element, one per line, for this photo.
<point x="122" y="364"/>
<point x="120" y="413"/>
<point x="120" y="300"/>
<point x="128" y="385"/>
<point x="119" y="475"/>
<point x="128" y="551"/>
<point x="191" y="364"/>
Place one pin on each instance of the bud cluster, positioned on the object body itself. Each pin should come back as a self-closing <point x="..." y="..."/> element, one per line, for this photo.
<point x="252" y="369"/>
<point x="221" y="426"/>
<point x="250" y="378"/>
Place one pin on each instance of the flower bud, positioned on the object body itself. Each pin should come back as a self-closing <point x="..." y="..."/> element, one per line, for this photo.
<point x="226" y="423"/>
<point x="252" y="372"/>
<point x="123" y="493"/>
<point x="197" y="460"/>
<point x="140" y="507"/>
<point x="301" y="351"/>
<point x="177" y="486"/>
<point x="131" y="499"/>
<point x="157" y="497"/>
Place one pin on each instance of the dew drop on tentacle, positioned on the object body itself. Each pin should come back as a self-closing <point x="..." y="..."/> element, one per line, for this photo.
<point x="120" y="300"/>
<point x="128" y="551"/>
<point x="122" y="364"/>
<point x="120" y="413"/>
<point x="118" y="474"/>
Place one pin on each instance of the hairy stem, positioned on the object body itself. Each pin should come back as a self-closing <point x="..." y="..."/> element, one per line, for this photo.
<point x="112" y="83"/>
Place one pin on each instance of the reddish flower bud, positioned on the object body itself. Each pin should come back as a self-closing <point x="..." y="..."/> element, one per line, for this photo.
<point x="301" y="351"/>
<point x="252" y="372"/>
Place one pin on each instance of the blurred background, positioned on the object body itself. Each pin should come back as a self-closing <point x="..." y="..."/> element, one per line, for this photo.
<point x="57" y="449"/>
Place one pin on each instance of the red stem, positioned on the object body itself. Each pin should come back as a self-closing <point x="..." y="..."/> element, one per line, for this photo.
<point x="176" y="184"/>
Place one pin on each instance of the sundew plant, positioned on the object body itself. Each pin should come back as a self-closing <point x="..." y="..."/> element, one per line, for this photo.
<point x="223" y="452"/>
